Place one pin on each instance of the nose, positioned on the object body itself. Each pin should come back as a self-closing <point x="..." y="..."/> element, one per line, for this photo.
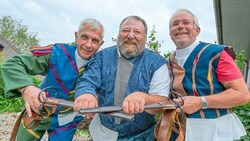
<point x="88" y="43"/>
<point x="131" y="35"/>
<point x="180" y="25"/>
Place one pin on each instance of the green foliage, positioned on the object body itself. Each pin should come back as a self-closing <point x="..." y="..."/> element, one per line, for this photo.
<point x="82" y="132"/>
<point x="167" y="55"/>
<point x="243" y="113"/>
<point x="1" y="83"/>
<point x="13" y="104"/>
<point x="10" y="105"/>
<point x="17" y="34"/>
<point x="240" y="59"/>
<point x="153" y="44"/>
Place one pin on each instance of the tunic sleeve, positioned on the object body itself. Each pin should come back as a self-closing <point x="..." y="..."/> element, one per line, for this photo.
<point x="16" y="72"/>
<point x="227" y="69"/>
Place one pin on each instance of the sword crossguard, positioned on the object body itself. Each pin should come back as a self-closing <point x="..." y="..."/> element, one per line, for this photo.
<point x="45" y="90"/>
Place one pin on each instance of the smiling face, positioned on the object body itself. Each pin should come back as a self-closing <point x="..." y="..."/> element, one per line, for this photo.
<point x="183" y="30"/>
<point x="88" y="41"/>
<point x="131" y="39"/>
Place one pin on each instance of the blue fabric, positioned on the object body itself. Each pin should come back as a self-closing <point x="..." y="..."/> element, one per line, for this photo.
<point x="201" y="72"/>
<point x="147" y="135"/>
<point x="68" y="76"/>
<point x="174" y="136"/>
<point x="65" y="132"/>
<point x="99" y="77"/>
<point x="64" y="70"/>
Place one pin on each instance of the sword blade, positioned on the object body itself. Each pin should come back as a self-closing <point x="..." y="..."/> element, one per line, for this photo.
<point x="106" y="109"/>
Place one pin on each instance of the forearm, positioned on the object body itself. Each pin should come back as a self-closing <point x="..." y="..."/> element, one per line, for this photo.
<point x="234" y="95"/>
<point x="227" y="99"/>
<point x="90" y="81"/>
<point x="149" y="99"/>
<point x="16" y="72"/>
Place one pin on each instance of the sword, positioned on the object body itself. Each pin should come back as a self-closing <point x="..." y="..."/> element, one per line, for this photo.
<point x="115" y="111"/>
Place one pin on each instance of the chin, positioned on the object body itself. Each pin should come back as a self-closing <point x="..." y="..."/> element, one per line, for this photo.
<point x="84" y="56"/>
<point x="181" y="42"/>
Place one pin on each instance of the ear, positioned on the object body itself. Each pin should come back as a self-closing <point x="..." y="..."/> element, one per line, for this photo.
<point x="197" y="30"/>
<point x="101" y="43"/>
<point x="76" y="37"/>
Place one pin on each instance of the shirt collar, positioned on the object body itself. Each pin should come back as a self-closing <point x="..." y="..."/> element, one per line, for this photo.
<point x="182" y="54"/>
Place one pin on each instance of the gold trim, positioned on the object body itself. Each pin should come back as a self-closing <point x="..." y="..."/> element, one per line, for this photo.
<point x="196" y="60"/>
<point x="210" y="75"/>
<point x="63" y="111"/>
<point x="71" y="92"/>
<point x="31" y="131"/>
<point x="81" y="69"/>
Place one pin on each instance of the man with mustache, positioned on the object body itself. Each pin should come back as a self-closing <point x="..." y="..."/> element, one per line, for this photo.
<point x="127" y="75"/>
<point x="62" y="64"/>
<point x="209" y="79"/>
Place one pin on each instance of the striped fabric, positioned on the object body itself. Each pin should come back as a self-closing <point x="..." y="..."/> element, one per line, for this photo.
<point x="41" y="50"/>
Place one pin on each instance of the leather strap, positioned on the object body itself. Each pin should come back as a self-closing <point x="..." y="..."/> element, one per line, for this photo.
<point x="164" y="127"/>
<point x="16" y="126"/>
<point x="28" y="120"/>
<point x="26" y="123"/>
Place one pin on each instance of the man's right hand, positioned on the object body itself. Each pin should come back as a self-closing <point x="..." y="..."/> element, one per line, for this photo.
<point x="85" y="101"/>
<point x="30" y="97"/>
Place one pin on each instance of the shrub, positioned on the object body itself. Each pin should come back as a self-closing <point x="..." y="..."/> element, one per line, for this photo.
<point x="243" y="113"/>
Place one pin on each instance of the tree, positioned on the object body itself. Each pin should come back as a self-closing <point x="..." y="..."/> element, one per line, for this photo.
<point x="17" y="33"/>
<point x="154" y="44"/>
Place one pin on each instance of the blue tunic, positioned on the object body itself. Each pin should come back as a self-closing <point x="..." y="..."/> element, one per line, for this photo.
<point x="62" y="74"/>
<point x="99" y="77"/>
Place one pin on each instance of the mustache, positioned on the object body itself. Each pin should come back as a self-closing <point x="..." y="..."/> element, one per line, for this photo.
<point x="129" y="42"/>
<point x="181" y="32"/>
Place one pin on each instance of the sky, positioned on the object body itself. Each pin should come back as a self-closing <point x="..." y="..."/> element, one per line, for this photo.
<point x="55" y="21"/>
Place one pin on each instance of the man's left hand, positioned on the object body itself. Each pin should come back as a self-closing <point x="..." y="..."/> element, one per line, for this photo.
<point x="134" y="103"/>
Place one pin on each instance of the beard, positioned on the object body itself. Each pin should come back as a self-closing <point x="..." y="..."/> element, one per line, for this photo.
<point x="130" y="53"/>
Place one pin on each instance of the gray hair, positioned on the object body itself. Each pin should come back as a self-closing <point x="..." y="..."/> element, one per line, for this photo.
<point x="137" y="18"/>
<point x="195" y="19"/>
<point x="95" y="24"/>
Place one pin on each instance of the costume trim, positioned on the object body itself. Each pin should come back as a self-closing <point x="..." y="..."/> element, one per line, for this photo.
<point x="64" y="128"/>
<point x="30" y="131"/>
<point x="58" y="79"/>
<point x="69" y="57"/>
<point x="41" y="50"/>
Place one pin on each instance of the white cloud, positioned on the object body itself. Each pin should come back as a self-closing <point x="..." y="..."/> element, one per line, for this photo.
<point x="31" y="6"/>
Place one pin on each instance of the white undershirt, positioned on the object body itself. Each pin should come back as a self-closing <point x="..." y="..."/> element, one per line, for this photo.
<point x="159" y="84"/>
<point x="79" y="61"/>
<point x="182" y="54"/>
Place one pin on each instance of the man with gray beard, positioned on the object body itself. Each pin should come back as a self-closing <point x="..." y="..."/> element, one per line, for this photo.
<point x="127" y="75"/>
